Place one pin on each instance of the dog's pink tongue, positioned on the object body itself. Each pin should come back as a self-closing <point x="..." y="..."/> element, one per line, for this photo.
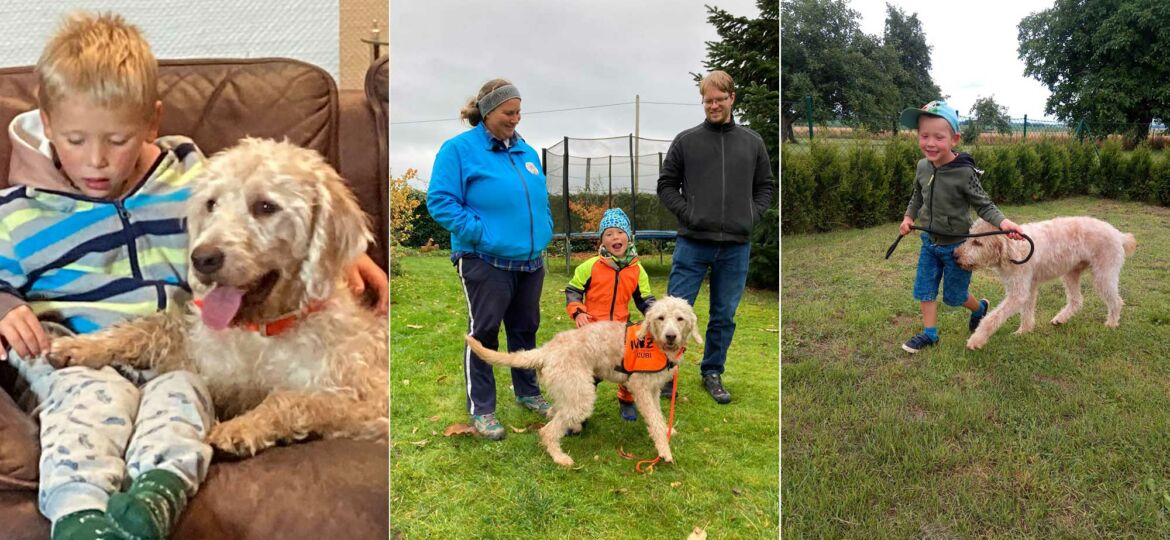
<point x="220" y="306"/>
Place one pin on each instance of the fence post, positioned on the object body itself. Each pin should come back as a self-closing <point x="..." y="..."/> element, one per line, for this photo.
<point x="568" y="213"/>
<point x="1025" y="127"/>
<point x="808" y="114"/>
<point x="1081" y="130"/>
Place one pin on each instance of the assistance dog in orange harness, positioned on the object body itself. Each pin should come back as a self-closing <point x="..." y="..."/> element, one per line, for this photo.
<point x="568" y="364"/>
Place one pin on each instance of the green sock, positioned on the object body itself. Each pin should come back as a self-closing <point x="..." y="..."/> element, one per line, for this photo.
<point x="86" y="525"/>
<point x="151" y="507"/>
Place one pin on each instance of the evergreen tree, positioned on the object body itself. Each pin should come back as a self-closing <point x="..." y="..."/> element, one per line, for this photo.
<point x="748" y="50"/>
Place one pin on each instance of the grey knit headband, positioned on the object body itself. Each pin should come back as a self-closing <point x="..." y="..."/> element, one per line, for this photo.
<point x="494" y="98"/>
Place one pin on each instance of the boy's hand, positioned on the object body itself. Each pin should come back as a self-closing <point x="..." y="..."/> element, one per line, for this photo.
<point x="24" y="333"/>
<point x="1009" y="225"/>
<point x="582" y="319"/>
<point x="904" y="228"/>
<point x="364" y="271"/>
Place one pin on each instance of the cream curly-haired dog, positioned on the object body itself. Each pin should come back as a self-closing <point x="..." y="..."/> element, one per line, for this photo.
<point x="1065" y="247"/>
<point x="285" y="351"/>
<point x="568" y="363"/>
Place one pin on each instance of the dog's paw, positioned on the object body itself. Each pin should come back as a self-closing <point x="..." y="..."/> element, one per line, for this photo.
<point x="976" y="342"/>
<point x="238" y="439"/>
<point x="78" y="351"/>
<point x="667" y="457"/>
<point x="563" y="460"/>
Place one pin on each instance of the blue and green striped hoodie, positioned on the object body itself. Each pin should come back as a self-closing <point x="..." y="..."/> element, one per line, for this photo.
<point x="88" y="263"/>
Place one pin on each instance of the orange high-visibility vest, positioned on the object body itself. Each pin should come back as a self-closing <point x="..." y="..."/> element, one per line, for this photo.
<point x="642" y="355"/>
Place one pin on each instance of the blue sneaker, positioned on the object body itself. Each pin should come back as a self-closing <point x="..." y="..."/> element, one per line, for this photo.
<point x="536" y="404"/>
<point x="628" y="411"/>
<point x="917" y="343"/>
<point x="977" y="316"/>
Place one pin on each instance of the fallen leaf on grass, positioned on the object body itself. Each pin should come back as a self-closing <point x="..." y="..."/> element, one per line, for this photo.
<point x="458" y="429"/>
<point x="535" y="426"/>
<point x="415" y="326"/>
<point x="698" y="534"/>
<point x="421" y="443"/>
<point x="737" y="491"/>
<point x="517" y="429"/>
<point x="620" y="491"/>
<point x="440" y="379"/>
<point x="675" y="484"/>
<point x="771" y="329"/>
<point x="435" y="418"/>
<point x="412" y="432"/>
<point x="625" y="455"/>
<point x="405" y="382"/>
<point x="596" y="457"/>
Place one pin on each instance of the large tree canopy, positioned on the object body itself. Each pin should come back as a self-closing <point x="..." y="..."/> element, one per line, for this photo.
<point x="748" y="50"/>
<point x="853" y="77"/>
<point x="1105" y="62"/>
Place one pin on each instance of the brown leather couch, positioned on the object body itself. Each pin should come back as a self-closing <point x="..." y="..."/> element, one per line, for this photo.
<point x="313" y="490"/>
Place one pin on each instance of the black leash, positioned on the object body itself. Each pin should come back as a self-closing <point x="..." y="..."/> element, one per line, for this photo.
<point x="1031" y="245"/>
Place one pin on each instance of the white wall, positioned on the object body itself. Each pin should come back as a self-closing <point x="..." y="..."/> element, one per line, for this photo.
<point x="303" y="29"/>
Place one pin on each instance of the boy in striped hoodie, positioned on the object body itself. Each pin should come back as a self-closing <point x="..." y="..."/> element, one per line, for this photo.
<point x="93" y="234"/>
<point x="602" y="287"/>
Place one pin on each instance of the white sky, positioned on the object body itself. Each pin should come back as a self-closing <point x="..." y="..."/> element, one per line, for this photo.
<point x="559" y="55"/>
<point x="973" y="49"/>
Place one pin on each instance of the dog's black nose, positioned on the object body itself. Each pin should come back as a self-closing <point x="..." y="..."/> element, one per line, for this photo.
<point x="207" y="259"/>
<point x="670" y="337"/>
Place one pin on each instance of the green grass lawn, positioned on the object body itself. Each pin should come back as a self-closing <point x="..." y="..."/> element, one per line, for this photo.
<point x="725" y="476"/>
<point x="1061" y="433"/>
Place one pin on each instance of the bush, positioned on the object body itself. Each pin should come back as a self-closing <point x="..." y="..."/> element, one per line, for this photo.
<point x="829" y="186"/>
<point x="425" y="227"/>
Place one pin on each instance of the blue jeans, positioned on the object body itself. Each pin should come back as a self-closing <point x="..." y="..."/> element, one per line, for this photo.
<point x="937" y="263"/>
<point x="728" y="263"/>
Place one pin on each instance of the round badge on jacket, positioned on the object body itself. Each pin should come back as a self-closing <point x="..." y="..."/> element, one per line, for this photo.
<point x="531" y="167"/>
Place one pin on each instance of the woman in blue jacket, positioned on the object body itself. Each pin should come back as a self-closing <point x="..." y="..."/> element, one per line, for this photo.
<point x="488" y="190"/>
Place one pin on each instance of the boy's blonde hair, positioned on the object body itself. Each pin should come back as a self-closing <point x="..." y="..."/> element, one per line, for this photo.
<point x="718" y="80"/>
<point x="100" y="56"/>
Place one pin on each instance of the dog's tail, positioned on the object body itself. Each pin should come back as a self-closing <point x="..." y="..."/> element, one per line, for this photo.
<point x="522" y="359"/>
<point x="1129" y="243"/>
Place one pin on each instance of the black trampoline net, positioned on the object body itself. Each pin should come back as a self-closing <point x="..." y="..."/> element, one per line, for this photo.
<point x="603" y="173"/>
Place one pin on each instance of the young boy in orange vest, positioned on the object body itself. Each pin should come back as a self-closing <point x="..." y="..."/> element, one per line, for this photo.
<point x="602" y="287"/>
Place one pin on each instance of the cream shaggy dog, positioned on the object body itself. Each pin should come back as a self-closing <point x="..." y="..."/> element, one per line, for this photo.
<point x="568" y="363"/>
<point x="271" y="228"/>
<point x="1065" y="247"/>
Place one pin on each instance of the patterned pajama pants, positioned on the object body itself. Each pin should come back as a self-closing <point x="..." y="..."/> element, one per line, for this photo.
<point x="99" y="430"/>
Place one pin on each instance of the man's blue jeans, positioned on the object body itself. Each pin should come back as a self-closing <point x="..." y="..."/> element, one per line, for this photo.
<point x="728" y="263"/>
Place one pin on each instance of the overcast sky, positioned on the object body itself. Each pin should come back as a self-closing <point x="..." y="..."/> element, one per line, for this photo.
<point x="559" y="55"/>
<point x="973" y="49"/>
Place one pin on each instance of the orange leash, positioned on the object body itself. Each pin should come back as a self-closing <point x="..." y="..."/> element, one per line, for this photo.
<point x="669" y="429"/>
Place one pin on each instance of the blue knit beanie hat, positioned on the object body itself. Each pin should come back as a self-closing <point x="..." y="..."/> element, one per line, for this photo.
<point x="615" y="218"/>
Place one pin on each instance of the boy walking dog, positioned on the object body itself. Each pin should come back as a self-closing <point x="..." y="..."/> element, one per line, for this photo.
<point x="946" y="189"/>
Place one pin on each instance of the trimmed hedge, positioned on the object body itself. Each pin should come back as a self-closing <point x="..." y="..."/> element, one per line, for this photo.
<point x="829" y="186"/>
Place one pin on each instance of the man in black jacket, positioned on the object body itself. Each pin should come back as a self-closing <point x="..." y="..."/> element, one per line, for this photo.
<point x="717" y="180"/>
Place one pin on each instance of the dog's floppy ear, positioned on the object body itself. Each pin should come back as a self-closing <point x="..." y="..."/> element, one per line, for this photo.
<point x="643" y="329"/>
<point x="695" y="328"/>
<point x="338" y="234"/>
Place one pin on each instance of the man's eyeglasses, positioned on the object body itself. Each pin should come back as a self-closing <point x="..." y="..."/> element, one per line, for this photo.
<point x="712" y="101"/>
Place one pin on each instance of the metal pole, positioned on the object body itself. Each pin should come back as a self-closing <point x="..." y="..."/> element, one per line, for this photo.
<point x="637" y="136"/>
<point x="808" y="114"/>
<point x="568" y="215"/>
<point x="587" y="163"/>
<point x="1025" y="127"/>
<point x="633" y="192"/>
<point x="611" y="177"/>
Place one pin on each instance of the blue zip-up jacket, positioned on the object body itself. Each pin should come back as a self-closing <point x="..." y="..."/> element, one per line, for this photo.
<point x="493" y="199"/>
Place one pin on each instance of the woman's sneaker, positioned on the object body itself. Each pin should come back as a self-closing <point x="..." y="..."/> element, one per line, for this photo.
<point x="487" y="426"/>
<point x="917" y="343"/>
<point x="977" y="316"/>
<point x="536" y="404"/>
